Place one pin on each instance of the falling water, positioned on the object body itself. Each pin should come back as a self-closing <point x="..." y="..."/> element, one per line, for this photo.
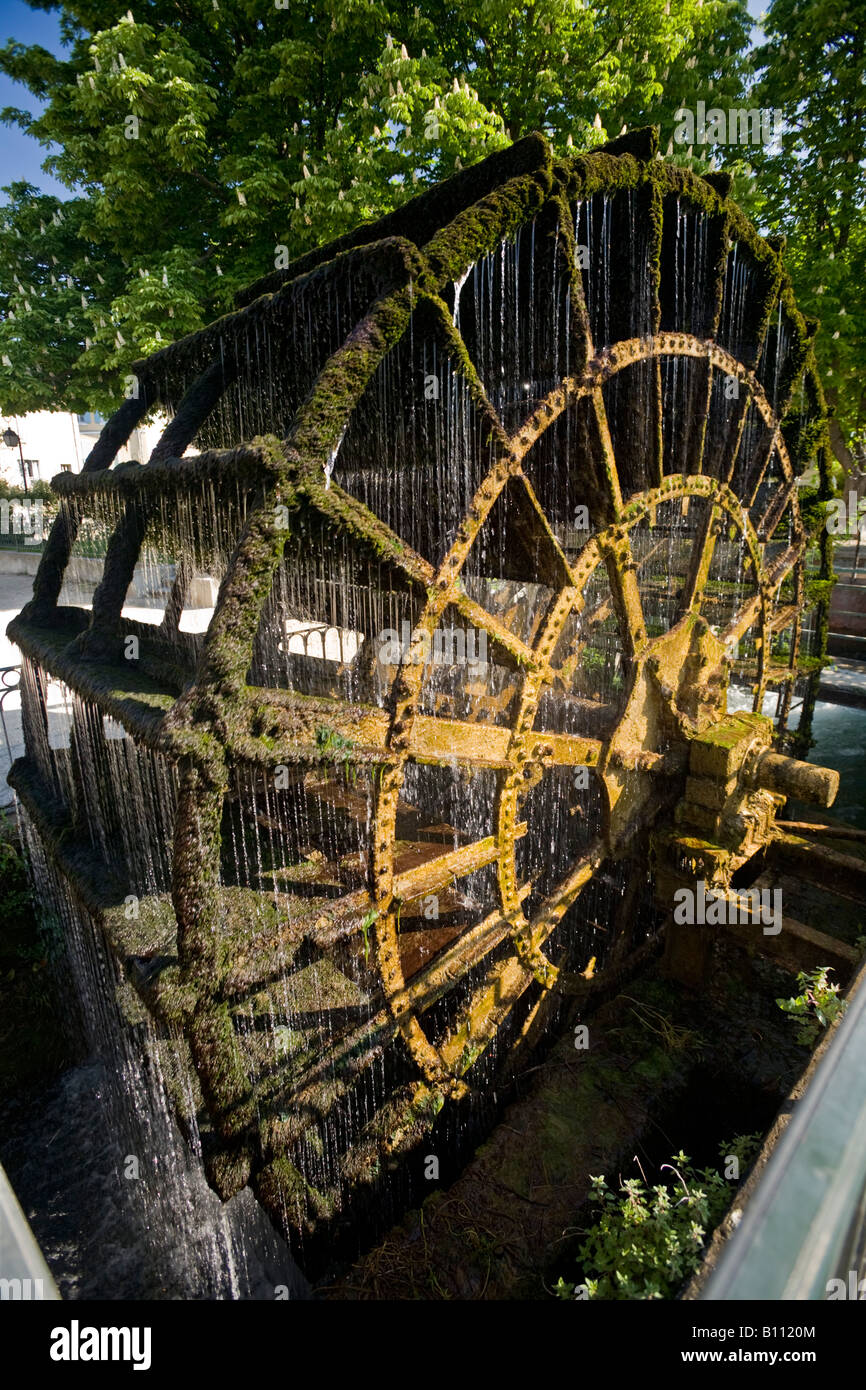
<point x="175" y="1238"/>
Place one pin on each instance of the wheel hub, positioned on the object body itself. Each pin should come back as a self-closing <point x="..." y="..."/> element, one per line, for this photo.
<point x="678" y="690"/>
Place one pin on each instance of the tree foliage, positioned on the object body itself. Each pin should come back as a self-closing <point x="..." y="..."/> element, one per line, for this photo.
<point x="812" y="186"/>
<point x="204" y="143"/>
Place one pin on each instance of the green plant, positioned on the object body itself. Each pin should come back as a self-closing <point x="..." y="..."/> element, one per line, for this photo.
<point x="37" y="490"/>
<point x="781" y="648"/>
<point x="646" y="1241"/>
<point x="365" y="929"/>
<point x="334" y="747"/>
<point x="743" y="1147"/>
<point x="815" y="1007"/>
<point x="592" y="659"/>
<point x="14" y="887"/>
<point x="593" y="667"/>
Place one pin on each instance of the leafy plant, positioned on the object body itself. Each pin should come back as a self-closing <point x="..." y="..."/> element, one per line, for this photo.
<point x="646" y="1241"/>
<point x="815" y="1007"/>
<point x="334" y="747"/>
<point x="14" y="888"/>
<point x="365" y="929"/>
<point x="593" y="660"/>
<point x="743" y="1147"/>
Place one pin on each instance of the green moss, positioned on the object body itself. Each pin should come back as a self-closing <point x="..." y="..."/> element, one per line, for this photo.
<point x="228" y="1169"/>
<point x="819" y="590"/>
<point x="419" y="219"/>
<point x="225" y="1084"/>
<point x="291" y="1200"/>
<point x="493" y="219"/>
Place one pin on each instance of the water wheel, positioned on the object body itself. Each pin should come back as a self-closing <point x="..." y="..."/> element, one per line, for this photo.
<point x="501" y="497"/>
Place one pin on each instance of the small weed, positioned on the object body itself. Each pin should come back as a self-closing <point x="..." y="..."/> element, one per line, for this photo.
<point x="674" y="1038"/>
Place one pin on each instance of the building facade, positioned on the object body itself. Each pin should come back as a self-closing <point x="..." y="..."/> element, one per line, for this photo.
<point x="55" y="441"/>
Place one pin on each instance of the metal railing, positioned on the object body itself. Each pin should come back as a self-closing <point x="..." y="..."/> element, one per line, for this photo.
<point x="10" y="680"/>
<point x="21" y="540"/>
<point x="24" y="1275"/>
<point x="802" y="1236"/>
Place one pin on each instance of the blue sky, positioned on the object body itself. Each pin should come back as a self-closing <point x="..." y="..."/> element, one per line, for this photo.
<point x="20" y="156"/>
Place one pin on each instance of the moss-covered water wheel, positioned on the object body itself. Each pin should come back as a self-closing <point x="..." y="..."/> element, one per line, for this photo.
<point x="498" y="492"/>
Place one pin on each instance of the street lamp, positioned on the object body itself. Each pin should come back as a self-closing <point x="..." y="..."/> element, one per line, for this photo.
<point x="10" y="439"/>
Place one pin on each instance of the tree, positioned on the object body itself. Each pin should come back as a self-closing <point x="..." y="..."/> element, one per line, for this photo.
<point x="207" y="143"/>
<point x="812" y="188"/>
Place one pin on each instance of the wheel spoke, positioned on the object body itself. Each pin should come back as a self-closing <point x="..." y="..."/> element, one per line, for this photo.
<point x="701" y="562"/>
<point x="609" y="480"/>
<point x="546" y="531"/>
<point x="729" y="454"/>
<point x="440" y="870"/>
<point x="557" y="903"/>
<point x="749" y="613"/>
<point x="478" y="616"/>
<point x="446" y="741"/>
<point x="775" y="509"/>
<point x="357" y="519"/>
<point x="616" y="546"/>
<point x="766" y="459"/>
<point x="490" y="1005"/>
